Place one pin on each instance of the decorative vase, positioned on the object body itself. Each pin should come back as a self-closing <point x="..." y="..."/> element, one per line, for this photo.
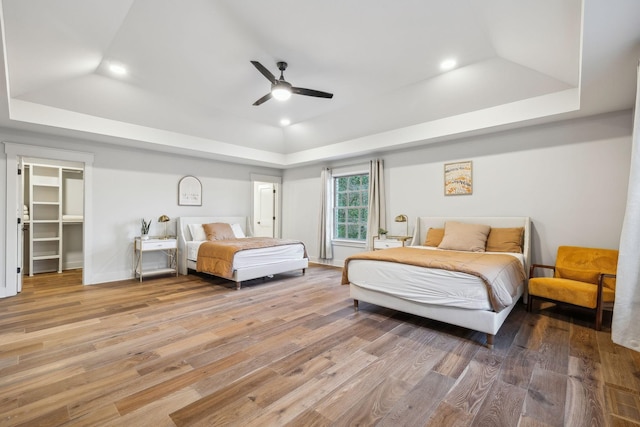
<point x="145" y="237"/>
<point x="383" y="237"/>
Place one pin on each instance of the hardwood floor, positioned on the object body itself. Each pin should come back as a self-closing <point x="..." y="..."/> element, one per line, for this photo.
<point x="291" y="351"/>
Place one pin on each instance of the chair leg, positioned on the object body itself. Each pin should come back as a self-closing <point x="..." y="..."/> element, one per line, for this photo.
<point x="599" y="318"/>
<point x="530" y="303"/>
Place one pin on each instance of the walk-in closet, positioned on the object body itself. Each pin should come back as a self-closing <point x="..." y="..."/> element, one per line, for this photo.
<point x="52" y="215"/>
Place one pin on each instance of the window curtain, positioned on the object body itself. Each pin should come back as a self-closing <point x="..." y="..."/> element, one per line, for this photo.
<point x="377" y="212"/>
<point x="625" y="329"/>
<point x="326" y="215"/>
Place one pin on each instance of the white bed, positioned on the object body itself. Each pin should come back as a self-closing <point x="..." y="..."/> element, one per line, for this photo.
<point x="248" y="264"/>
<point x="456" y="298"/>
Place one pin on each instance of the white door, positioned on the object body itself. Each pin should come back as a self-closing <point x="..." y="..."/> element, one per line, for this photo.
<point x="263" y="210"/>
<point x="21" y="225"/>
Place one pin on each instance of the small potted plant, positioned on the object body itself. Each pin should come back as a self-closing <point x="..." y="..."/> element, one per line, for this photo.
<point x="382" y="233"/>
<point x="144" y="229"/>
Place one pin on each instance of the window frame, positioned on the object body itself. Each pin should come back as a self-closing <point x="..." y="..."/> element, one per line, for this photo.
<point x="344" y="241"/>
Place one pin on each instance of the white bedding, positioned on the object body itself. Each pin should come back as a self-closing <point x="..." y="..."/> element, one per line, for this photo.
<point x="429" y="286"/>
<point x="255" y="257"/>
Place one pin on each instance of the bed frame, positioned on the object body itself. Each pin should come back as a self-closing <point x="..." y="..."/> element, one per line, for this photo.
<point x="240" y="275"/>
<point x="485" y="321"/>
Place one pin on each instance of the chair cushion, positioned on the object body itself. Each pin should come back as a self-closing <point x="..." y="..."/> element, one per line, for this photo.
<point x="585" y="264"/>
<point x="588" y="276"/>
<point x="569" y="291"/>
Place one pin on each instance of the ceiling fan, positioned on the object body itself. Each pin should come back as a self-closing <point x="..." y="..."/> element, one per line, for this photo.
<point x="282" y="89"/>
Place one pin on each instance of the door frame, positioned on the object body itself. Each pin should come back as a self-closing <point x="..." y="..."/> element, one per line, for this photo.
<point x="277" y="183"/>
<point x="13" y="153"/>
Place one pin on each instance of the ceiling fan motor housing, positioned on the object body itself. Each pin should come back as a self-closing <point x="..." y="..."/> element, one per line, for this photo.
<point x="282" y="65"/>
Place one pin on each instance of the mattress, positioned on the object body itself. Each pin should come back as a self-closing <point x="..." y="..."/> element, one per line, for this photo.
<point x="255" y="257"/>
<point x="423" y="285"/>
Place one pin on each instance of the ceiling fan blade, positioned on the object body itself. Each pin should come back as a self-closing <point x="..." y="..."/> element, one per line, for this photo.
<point x="264" y="72"/>
<point x="311" y="92"/>
<point x="263" y="99"/>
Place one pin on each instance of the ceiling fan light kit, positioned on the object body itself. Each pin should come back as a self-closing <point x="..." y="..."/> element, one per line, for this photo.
<point x="282" y="89"/>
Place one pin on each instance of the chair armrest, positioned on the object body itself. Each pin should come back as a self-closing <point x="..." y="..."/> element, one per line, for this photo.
<point x="601" y="286"/>
<point x="533" y="266"/>
<point x="601" y="278"/>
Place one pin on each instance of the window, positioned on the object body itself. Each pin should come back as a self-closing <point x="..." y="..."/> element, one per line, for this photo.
<point x="351" y="201"/>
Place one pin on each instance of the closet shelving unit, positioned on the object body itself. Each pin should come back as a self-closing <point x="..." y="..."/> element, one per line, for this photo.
<point x="53" y="229"/>
<point x="45" y="210"/>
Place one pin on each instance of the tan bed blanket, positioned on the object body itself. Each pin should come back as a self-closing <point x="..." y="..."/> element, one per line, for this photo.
<point x="216" y="256"/>
<point x="485" y="266"/>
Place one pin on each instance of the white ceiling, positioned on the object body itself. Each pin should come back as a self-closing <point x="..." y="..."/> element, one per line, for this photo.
<point x="190" y="85"/>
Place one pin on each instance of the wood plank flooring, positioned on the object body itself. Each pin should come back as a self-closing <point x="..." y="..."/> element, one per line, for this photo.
<point x="291" y="351"/>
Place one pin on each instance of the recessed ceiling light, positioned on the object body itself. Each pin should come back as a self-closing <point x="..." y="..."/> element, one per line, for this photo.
<point x="285" y="122"/>
<point x="448" y="64"/>
<point x="118" y="69"/>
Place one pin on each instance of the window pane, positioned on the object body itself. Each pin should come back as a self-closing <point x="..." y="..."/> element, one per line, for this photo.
<point x="363" y="215"/>
<point x="341" y="183"/>
<point x="353" y="216"/>
<point x="354" y="183"/>
<point x="363" y="232"/>
<point x="353" y="231"/>
<point x="351" y="200"/>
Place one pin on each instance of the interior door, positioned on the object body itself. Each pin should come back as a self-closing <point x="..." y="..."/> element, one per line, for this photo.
<point x="22" y="227"/>
<point x="263" y="212"/>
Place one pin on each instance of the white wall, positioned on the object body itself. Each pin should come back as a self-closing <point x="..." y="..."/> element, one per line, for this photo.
<point x="130" y="184"/>
<point x="570" y="177"/>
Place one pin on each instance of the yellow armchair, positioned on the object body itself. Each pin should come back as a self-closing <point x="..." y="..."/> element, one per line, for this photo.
<point x="584" y="277"/>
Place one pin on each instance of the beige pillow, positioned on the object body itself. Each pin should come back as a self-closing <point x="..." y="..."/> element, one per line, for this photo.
<point x="460" y="236"/>
<point x="505" y="240"/>
<point x="218" y="231"/>
<point x="434" y="236"/>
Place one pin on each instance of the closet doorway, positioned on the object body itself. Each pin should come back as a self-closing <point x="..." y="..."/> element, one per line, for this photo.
<point x="53" y="215"/>
<point x="72" y="163"/>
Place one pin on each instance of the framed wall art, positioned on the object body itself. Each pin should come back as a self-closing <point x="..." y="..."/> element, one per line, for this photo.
<point x="189" y="191"/>
<point x="458" y="179"/>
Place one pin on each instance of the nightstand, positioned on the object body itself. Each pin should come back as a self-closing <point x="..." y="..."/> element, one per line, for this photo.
<point x="390" y="242"/>
<point x="168" y="246"/>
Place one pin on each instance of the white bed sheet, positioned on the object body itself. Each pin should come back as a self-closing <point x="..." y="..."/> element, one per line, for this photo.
<point x="424" y="285"/>
<point x="254" y="257"/>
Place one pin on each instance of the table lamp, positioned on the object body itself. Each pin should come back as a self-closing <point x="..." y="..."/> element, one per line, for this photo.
<point x="164" y="219"/>
<point x="405" y="219"/>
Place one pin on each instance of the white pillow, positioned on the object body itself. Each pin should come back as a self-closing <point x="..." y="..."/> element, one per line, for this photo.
<point x="197" y="232"/>
<point x="237" y="231"/>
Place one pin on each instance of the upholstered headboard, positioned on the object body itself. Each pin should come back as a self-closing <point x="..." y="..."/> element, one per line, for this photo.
<point x="423" y="224"/>
<point x="184" y="235"/>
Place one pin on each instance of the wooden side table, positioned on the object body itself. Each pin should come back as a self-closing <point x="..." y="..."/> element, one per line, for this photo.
<point x="168" y="246"/>
<point x="390" y="242"/>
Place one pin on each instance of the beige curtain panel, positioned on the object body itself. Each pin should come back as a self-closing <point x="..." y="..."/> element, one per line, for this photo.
<point x="625" y="328"/>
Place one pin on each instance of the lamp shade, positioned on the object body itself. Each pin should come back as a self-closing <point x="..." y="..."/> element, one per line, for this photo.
<point x="163" y="218"/>
<point x="401" y="218"/>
